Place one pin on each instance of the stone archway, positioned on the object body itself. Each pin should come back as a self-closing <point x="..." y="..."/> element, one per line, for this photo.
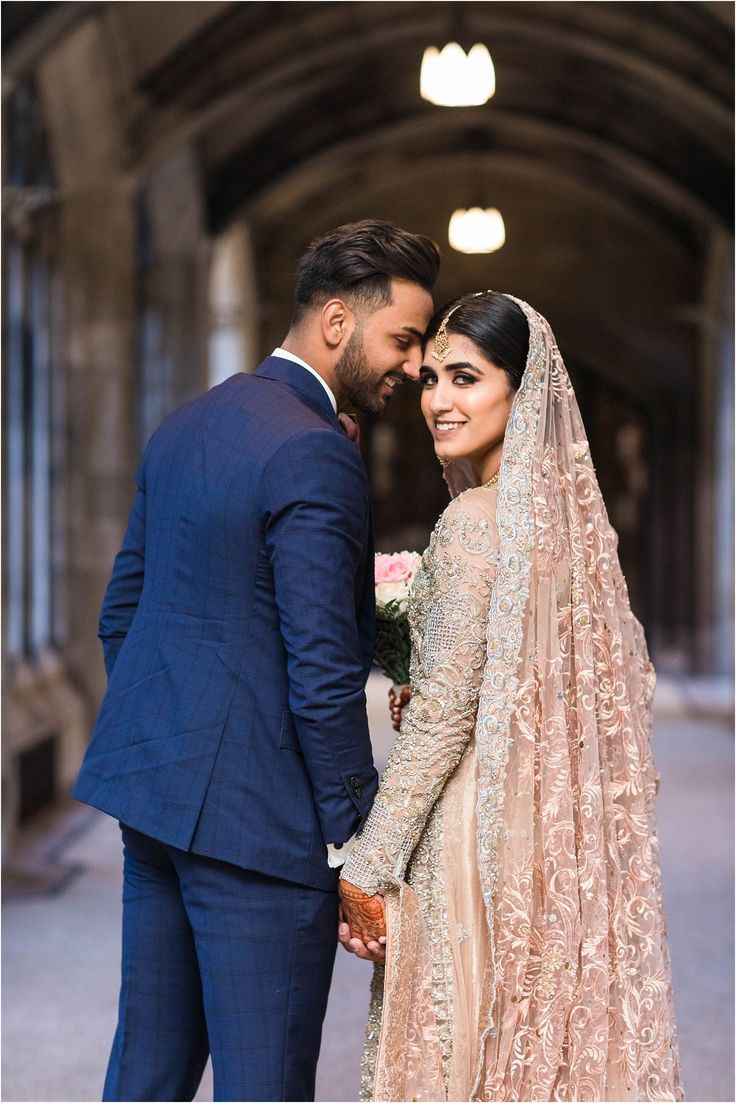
<point x="608" y="147"/>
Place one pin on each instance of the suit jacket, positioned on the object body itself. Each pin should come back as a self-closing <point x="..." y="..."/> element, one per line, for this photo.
<point x="238" y="632"/>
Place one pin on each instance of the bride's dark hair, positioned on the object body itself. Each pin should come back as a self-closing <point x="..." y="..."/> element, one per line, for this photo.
<point x="495" y="324"/>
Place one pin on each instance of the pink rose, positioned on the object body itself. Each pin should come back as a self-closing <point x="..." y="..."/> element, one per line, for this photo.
<point x="399" y="567"/>
<point x="394" y="577"/>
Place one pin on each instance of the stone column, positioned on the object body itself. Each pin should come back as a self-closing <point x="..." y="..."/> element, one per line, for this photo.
<point x="174" y="264"/>
<point x="714" y="481"/>
<point x="233" y="305"/>
<point x="98" y="307"/>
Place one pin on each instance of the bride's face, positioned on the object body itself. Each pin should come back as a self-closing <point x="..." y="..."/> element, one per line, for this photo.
<point x="466" y="402"/>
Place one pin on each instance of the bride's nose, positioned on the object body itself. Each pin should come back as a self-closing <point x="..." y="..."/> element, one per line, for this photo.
<point x="440" y="398"/>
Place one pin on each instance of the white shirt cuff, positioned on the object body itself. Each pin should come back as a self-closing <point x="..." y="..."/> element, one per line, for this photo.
<point x="336" y="855"/>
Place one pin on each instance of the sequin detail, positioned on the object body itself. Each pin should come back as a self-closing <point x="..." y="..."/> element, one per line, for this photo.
<point x="576" y="994"/>
<point x="448" y="613"/>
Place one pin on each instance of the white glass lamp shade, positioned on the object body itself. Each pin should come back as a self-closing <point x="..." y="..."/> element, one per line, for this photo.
<point x="452" y="78"/>
<point x="477" y="230"/>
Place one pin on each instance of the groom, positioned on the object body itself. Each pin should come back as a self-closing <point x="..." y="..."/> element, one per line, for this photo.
<point x="232" y="744"/>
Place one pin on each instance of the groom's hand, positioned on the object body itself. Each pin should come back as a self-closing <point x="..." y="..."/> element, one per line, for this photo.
<point x="362" y="929"/>
<point x="374" y="951"/>
<point x="398" y="698"/>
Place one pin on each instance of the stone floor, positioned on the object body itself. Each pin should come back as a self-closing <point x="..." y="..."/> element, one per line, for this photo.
<point x="60" y="945"/>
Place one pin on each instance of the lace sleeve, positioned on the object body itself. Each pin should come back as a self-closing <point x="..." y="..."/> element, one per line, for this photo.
<point x="450" y="613"/>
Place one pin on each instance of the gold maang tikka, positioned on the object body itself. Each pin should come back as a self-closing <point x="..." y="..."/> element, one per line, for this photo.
<point x="441" y="346"/>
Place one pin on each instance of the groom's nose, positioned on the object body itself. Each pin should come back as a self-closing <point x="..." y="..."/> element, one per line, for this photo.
<point x="412" y="364"/>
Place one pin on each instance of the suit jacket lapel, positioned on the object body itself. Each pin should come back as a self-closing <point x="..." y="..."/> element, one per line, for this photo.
<point x="309" y="389"/>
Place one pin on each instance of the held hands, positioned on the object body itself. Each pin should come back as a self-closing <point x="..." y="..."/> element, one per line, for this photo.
<point x="398" y="699"/>
<point x="362" y="929"/>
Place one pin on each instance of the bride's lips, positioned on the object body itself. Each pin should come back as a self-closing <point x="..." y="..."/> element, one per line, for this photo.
<point x="443" y="428"/>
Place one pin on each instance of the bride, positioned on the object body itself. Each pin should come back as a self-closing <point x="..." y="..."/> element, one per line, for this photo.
<point x="513" y="841"/>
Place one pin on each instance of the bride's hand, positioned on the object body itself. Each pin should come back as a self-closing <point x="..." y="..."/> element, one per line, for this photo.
<point x="398" y="698"/>
<point x="364" y="916"/>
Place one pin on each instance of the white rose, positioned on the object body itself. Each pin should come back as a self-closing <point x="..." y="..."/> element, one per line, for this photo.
<point x="392" y="591"/>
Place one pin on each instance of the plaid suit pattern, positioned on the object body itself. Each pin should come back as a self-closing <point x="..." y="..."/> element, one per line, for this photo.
<point x="247" y="979"/>
<point x="232" y="743"/>
<point x="238" y="630"/>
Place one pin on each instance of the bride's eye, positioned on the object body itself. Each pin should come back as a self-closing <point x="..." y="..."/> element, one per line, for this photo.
<point x="427" y="379"/>
<point x="463" y="378"/>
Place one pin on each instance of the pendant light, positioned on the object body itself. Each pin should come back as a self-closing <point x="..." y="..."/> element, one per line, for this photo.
<point x="476" y="230"/>
<point x="452" y="78"/>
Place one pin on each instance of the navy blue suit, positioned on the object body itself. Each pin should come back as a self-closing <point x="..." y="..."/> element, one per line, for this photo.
<point x="238" y="635"/>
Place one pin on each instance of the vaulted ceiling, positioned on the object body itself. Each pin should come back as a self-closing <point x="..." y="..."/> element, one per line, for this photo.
<point x="627" y="98"/>
<point x="608" y="145"/>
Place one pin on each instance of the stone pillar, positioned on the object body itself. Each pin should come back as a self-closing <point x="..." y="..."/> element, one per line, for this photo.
<point x="98" y="306"/>
<point x="233" y="305"/>
<point x="174" y="262"/>
<point x="723" y="659"/>
<point x="714" y="481"/>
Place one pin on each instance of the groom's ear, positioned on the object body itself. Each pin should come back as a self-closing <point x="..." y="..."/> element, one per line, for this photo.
<point x="338" y="322"/>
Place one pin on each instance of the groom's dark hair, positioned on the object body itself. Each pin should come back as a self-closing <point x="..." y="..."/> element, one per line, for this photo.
<point x="358" y="261"/>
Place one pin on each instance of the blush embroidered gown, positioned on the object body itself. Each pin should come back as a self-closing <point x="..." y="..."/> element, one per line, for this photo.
<point x="423" y="827"/>
<point x="513" y="837"/>
<point x="564" y="993"/>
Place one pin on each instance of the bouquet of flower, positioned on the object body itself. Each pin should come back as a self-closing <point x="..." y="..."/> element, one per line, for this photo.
<point x="394" y="576"/>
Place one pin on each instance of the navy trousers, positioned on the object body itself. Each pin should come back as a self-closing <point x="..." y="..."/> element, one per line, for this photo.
<point x="220" y="960"/>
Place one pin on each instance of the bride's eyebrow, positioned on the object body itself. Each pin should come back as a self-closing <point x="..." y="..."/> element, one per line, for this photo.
<point x="463" y="365"/>
<point x="457" y="365"/>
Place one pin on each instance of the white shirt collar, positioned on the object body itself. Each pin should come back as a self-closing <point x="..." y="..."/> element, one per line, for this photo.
<point x="290" y="356"/>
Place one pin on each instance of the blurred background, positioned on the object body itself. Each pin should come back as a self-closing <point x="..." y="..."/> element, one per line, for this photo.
<point x="165" y="165"/>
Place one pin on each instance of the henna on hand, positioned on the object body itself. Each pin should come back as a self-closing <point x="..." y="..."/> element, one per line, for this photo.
<point x="363" y="914"/>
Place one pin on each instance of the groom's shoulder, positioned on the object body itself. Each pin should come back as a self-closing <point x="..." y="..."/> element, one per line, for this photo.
<point x="246" y="407"/>
<point x="262" y="399"/>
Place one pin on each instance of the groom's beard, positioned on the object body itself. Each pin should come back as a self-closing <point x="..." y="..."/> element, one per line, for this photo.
<point x="359" y="388"/>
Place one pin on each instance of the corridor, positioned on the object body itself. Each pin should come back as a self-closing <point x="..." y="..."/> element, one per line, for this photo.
<point x="60" y="949"/>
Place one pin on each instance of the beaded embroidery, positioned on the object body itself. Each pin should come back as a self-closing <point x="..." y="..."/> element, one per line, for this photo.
<point x="578" y="1000"/>
<point x="448" y="613"/>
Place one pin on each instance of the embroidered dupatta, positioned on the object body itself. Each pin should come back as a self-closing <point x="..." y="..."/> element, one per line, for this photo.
<point x="576" y="999"/>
